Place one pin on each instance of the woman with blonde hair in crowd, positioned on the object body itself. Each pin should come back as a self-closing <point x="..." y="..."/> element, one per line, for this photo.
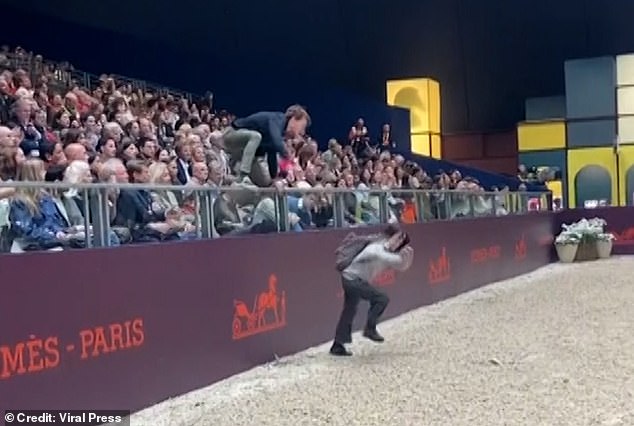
<point x="11" y="158"/>
<point x="162" y="200"/>
<point x="186" y="129"/>
<point x="36" y="222"/>
<point x="198" y="154"/>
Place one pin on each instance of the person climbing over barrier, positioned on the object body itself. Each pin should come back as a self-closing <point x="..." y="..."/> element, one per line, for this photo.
<point x="263" y="133"/>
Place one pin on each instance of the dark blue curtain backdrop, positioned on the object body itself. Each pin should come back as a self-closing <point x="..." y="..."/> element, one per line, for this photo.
<point x="489" y="55"/>
<point x="93" y="50"/>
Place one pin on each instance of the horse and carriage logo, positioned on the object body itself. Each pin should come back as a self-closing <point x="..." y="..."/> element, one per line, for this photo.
<point x="268" y="312"/>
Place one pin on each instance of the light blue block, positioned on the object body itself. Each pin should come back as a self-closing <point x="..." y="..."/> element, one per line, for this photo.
<point x="591" y="133"/>
<point x="545" y="108"/>
<point x="590" y="87"/>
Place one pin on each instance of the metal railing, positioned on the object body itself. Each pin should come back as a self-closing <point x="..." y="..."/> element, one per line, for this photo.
<point x="261" y="210"/>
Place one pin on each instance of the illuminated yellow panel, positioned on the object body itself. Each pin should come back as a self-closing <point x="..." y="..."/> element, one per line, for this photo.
<point x="436" y="146"/>
<point x="541" y="136"/>
<point x="580" y="158"/>
<point x="421" y="145"/>
<point x="626" y="161"/>
<point x="434" y="106"/>
<point x="422" y="97"/>
<point x="556" y="187"/>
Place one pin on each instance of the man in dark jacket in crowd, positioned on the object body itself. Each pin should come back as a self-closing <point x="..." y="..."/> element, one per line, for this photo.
<point x="263" y="133"/>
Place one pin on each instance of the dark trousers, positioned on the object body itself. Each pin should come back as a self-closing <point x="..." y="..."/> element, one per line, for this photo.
<point x="353" y="291"/>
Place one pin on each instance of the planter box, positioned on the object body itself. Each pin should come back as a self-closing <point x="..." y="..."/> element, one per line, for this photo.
<point x="566" y="252"/>
<point x="604" y="249"/>
<point x="587" y="251"/>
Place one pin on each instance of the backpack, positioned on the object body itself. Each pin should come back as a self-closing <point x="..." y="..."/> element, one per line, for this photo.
<point x="350" y="248"/>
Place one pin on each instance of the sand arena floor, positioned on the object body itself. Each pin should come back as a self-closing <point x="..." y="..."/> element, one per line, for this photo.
<point x="555" y="347"/>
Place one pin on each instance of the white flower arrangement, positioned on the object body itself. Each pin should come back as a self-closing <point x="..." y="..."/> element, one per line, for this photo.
<point x="567" y="238"/>
<point x="606" y="236"/>
<point x="584" y="231"/>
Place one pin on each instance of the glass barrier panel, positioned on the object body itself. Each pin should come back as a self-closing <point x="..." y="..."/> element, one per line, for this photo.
<point x="107" y="215"/>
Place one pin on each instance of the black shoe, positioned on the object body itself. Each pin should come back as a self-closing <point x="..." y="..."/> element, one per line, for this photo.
<point x="373" y="335"/>
<point x="338" y="349"/>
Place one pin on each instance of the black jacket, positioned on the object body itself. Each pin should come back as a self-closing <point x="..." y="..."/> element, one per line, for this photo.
<point x="272" y="126"/>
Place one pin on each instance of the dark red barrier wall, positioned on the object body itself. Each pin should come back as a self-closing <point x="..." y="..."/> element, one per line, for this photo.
<point x="128" y="327"/>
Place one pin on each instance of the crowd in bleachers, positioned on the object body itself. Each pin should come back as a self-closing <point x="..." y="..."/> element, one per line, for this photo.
<point x="55" y="128"/>
<point x="538" y="175"/>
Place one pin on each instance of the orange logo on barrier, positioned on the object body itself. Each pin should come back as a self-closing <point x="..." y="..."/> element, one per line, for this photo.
<point x="520" y="249"/>
<point x="626" y="235"/>
<point x="48" y="352"/>
<point x="384" y="279"/>
<point x="268" y="313"/>
<point x="546" y="240"/>
<point x="485" y="254"/>
<point x="440" y="269"/>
